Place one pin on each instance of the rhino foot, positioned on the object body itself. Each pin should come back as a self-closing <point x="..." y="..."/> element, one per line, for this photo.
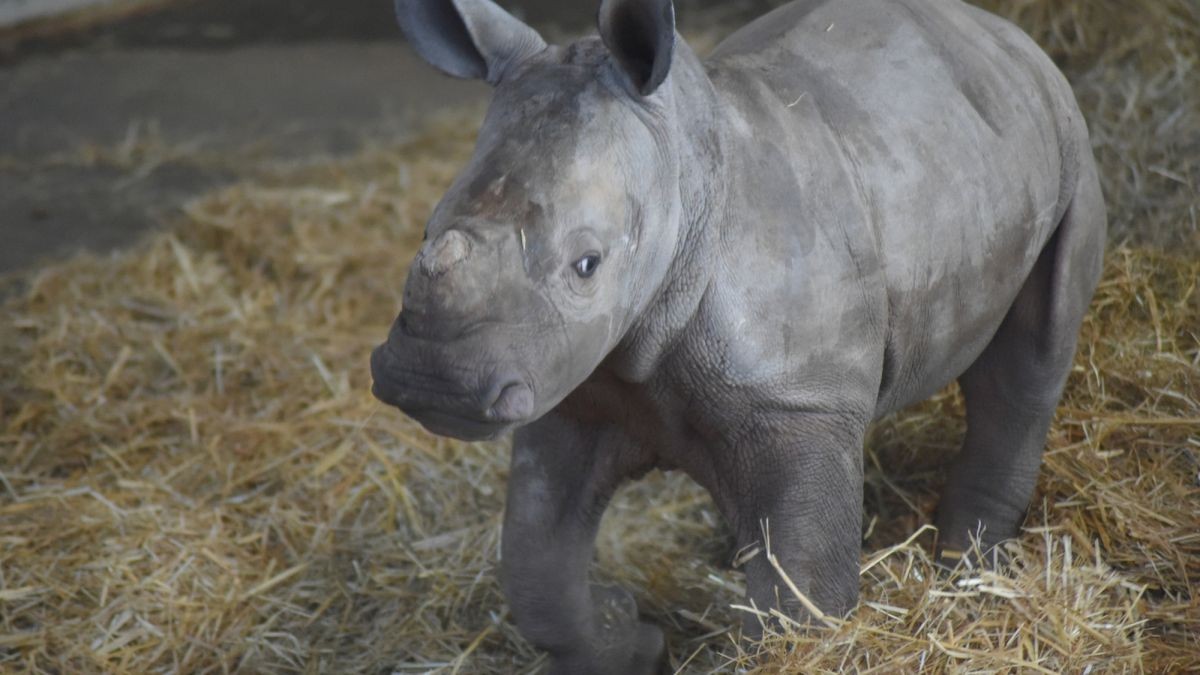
<point x="623" y="643"/>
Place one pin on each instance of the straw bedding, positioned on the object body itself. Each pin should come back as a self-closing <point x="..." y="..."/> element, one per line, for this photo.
<point x="194" y="478"/>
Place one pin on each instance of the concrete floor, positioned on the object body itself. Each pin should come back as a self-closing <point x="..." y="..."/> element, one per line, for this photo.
<point x="106" y="130"/>
<point x="96" y="147"/>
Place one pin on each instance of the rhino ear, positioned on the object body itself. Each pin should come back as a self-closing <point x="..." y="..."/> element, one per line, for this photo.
<point x="640" y="34"/>
<point x="467" y="38"/>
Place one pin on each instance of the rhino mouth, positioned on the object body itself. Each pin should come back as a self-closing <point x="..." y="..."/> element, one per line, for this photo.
<point x="461" y="428"/>
<point x="446" y="407"/>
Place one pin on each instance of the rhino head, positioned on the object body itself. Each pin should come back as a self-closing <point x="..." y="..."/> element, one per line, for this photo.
<point x="558" y="233"/>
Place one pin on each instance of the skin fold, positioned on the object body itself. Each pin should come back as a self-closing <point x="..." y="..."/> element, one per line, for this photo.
<point x="731" y="267"/>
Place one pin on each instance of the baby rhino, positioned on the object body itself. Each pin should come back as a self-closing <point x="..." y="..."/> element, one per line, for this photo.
<point x="731" y="267"/>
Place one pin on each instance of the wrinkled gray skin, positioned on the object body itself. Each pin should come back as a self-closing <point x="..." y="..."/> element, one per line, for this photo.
<point x="848" y="205"/>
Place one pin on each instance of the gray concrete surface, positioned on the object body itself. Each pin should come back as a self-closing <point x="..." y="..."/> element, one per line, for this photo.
<point x="68" y="122"/>
<point x="217" y="89"/>
<point x="15" y="11"/>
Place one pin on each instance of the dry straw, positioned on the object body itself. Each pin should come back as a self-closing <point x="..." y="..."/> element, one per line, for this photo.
<point x="193" y="477"/>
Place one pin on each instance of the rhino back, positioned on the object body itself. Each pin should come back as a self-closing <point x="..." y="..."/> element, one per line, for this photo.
<point x="947" y="137"/>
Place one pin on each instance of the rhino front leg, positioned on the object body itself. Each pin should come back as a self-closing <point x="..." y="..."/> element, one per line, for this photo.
<point x="796" y="488"/>
<point x="561" y="480"/>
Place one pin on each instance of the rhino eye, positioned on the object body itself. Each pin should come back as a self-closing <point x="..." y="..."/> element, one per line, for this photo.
<point x="586" y="266"/>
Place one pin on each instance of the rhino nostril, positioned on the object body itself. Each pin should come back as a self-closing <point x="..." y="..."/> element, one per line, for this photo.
<point x="443" y="253"/>
<point x="513" y="404"/>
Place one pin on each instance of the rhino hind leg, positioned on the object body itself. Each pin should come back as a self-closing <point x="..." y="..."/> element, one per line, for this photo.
<point x="1014" y="386"/>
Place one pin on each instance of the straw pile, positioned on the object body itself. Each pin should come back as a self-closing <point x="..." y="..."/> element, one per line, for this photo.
<point x="1133" y="66"/>
<point x="193" y="477"/>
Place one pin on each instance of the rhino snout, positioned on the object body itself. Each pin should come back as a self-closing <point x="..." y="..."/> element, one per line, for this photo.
<point x="434" y="394"/>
